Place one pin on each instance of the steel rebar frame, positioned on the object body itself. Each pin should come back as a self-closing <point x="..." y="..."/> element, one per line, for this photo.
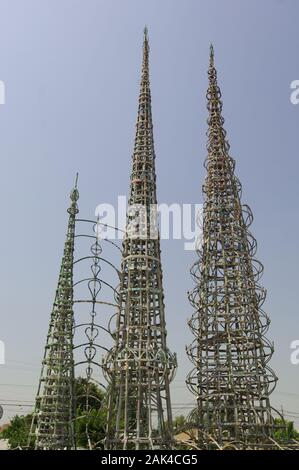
<point x="140" y="366"/>
<point x="92" y="346"/>
<point x="231" y="379"/>
<point x="53" y="417"/>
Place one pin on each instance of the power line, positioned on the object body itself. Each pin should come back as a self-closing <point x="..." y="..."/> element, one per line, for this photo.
<point x="20" y="405"/>
<point x="16" y="400"/>
<point x="17" y="385"/>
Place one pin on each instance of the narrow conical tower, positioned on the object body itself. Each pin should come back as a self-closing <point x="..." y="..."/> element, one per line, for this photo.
<point x="231" y="379"/>
<point x="140" y="367"/>
<point x="52" y="425"/>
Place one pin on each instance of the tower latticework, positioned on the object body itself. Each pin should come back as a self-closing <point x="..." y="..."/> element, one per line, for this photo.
<point x="231" y="379"/>
<point x="140" y="366"/>
<point x="53" y="419"/>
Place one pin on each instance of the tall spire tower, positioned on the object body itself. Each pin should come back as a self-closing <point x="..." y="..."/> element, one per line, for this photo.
<point x="231" y="379"/>
<point x="52" y="424"/>
<point x="140" y="367"/>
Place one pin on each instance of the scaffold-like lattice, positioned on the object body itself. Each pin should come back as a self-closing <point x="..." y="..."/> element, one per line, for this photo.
<point x="95" y="302"/>
<point x="231" y="379"/>
<point x="140" y="366"/>
<point x="53" y="417"/>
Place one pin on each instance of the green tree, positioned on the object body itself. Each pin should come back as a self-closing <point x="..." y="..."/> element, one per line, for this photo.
<point x="91" y="414"/>
<point x="17" y="431"/>
<point x="90" y="420"/>
<point x="178" y="423"/>
<point x="285" y="430"/>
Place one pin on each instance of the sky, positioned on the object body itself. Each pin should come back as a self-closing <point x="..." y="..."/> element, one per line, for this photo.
<point x="71" y="70"/>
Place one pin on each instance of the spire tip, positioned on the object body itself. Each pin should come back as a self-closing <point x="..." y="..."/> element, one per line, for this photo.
<point x="145" y="41"/>
<point x="145" y="32"/>
<point x="211" y="53"/>
<point x="75" y="193"/>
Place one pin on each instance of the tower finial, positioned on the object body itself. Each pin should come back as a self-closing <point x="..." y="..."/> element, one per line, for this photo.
<point x="74" y="192"/>
<point x="145" y="31"/>
<point x="145" y="59"/>
<point x="211" y="54"/>
<point x="145" y="41"/>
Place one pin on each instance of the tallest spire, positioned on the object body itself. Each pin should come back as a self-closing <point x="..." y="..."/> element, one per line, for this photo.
<point x="140" y="367"/>
<point x="143" y="178"/>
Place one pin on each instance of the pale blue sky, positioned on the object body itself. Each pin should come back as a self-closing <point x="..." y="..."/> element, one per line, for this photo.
<point x="71" y="70"/>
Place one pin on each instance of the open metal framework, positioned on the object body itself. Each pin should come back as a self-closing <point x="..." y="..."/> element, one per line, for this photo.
<point x="231" y="379"/>
<point x="53" y="418"/>
<point x="139" y="367"/>
<point x="95" y="304"/>
<point x="76" y="342"/>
